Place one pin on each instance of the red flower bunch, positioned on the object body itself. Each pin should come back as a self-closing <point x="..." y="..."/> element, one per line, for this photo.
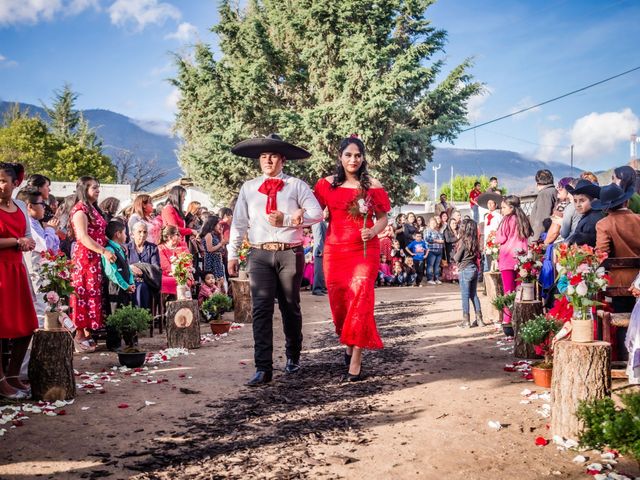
<point x="56" y="274"/>
<point x="528" y="263"/>
<point x="243" y="254"/>
<point x="181" y="267"/>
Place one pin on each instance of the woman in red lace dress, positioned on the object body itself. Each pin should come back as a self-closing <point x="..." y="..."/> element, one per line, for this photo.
<point x="88" y="228"/>
<point x="352" y="250"/>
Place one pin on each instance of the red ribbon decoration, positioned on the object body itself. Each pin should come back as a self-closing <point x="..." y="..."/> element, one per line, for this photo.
<point x="270" y="187"/>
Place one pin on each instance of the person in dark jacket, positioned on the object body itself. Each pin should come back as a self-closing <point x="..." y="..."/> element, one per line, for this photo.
<point x="467" y="257"/>
<point x="545" y="201"/>
<point x="583" y="194"/>
<point x="141" y="254"/>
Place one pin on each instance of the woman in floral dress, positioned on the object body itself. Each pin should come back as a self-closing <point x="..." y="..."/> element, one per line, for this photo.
<point x="89" y="231"/>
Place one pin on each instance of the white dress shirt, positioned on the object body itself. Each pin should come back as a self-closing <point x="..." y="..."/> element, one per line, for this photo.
<point x="491" y="226"/>
<point x="250" y="213"/>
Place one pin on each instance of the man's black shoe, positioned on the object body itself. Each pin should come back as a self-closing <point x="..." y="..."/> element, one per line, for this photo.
<point x="318" y="293"/>
<point x="293" y="366"/>
<point x="260" y="378"/>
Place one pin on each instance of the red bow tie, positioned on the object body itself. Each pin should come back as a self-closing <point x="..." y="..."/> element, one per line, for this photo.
<point x="270" y="187"/>
<point x="489" y="217"/>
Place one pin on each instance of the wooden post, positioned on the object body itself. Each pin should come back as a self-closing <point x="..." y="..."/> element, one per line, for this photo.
<point x="581" y="371"/>
<point x="183" y="324"/>
<point x="493" y="286"/>
<point x="51" y="365"/>
<point x="522" y="313"/>
<point x="242" y="304"/>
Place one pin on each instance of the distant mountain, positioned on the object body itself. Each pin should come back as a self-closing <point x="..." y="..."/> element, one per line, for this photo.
<point x="514" y="170"/>
<point x="147" y="140"/>
<point x="151" y="140"/>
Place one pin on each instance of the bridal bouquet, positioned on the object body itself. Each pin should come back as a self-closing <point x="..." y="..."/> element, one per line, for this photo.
<point x="360" y="208"/>
<point x="181" y="267"/>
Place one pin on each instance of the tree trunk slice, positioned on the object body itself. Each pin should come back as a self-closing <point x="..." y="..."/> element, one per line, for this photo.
<point x="493" y="286"/>
<point x="183" y="324"/>
<point x="581" y="372"/>
<point x="51" y="366"/>
<point x="522" y="313"/>
<point x="242" y="304"/>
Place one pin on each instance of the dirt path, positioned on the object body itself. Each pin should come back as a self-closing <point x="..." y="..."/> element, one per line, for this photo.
<point x="423" y="411"/>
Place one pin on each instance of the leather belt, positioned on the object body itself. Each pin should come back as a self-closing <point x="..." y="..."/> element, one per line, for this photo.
<point x="275" y="246"/>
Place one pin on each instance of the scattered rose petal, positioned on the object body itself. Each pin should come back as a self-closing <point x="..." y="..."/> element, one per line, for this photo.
<point x="147" y="403"/>
<point x="541" y="441"/>
<point x="464" y="387"/>
<point x="595" y="467"/>
<point x="526" y="392"/>
<point x="579" y="459"/>
<point x="62" y="412"/>
<point x="85" y="408"/>
<point x="608" y="456"/>
<point x="123" y="405"/>
<point x="494" y="424"/>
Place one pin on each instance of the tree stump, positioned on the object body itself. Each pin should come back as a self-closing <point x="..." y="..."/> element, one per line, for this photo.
<point x="183" y="324"/>
<point x="522" y="313"/>
<point x="493" y="286"/>
<point x="242" y="304"/>
<point x="51" y="366"/>
<point x="581" y="371"/>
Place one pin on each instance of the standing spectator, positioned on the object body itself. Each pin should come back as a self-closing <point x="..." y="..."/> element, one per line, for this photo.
<point x="512" y="235"/>
<point x="64" y="231"/>
<point x="192" y="217"/>
<point x="467" y="257"/>
<point x="386" y="241"/>
<point x="109" y="208"/>
<point x="43" y="184"/>
<point x="89" y="231"/>
<point x="473" y="201"/>
<point x="319" y="233"/>
<point x="417" y="249"/>
<point x="172" y="214"/>
<point x="493" y="185"/>
<point x="410" y="228"/>
<point x="626" y="178"/>
<point x="212" y="245"/>
<point x="226" y="217"/>
<point x="545" y="201"/>
<point x="491" y="221"/>
<point x="142" y="212"/>
<point x="451" y="234"/>
<point x="564" y="201"/>
<point x="443" y="205"/>
<point x="570" y="217"/>
<point x="144" y="259"/>
<point x="589" y="176"/>
<point x="397" y="253"/>
<point x="421" y="225"/>
<point x="399" y="229"/>
<point x="583" y="196"/>
<point x="17" y="316"/>
<point x="435" y="244"/>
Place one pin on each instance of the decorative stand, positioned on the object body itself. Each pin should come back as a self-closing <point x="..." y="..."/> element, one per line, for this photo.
<point x="51" y="365"/>
<point x="493" y="286"/>
<point x="580" y="372"/>
<point x="242" y="304"/>
<point x="183" y="324"/>
<point x="522" y="313"/>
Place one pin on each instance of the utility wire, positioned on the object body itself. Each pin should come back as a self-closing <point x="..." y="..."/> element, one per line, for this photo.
<point x="549" y="101"/>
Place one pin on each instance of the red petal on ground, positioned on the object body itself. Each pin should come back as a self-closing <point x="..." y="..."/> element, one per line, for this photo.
<point x="182" y="375"/>
<point x="102" y="391"/>
<point x="528" y="376"/>
<point x="541" y="441"/>
<point x="123" y="405"/>
<point x="506" y="369"/>
<point x="17" y="423"/>
<point x="62" y="412"/>
<point x="593" y="472"/>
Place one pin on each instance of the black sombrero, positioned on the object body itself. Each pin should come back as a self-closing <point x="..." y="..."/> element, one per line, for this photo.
<point x="611" y="196"/>
<point x="584" y="187"/>
<point x="253" y="147"/>
<point x="483" y="199"/>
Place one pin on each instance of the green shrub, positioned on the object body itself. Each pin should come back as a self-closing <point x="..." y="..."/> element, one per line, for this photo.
<point x="504" y="301"/>
<point x="216" y="305"/>
<point x="605" y="425"/>
<point x="129" y="320"/>
<point x="538" y="329"/>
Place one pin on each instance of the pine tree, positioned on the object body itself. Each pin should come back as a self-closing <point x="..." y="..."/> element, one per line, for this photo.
<point x="315" y="72"/>
<point x="64" y="118"/>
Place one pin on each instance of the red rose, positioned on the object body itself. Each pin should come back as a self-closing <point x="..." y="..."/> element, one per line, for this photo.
<point x="575" y="280"/>
<point x="541" y="441"/>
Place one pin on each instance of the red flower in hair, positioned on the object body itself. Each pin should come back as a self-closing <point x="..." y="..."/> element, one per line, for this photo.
<point x="354" y="135"/>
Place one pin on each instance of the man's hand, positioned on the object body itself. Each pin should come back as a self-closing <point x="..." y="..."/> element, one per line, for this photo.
<point x="298" y="217"/>
<point x="635" y="292"/>
<point x="132" y="289"/>
<point x="276" y="218"/>
<point x="232" y="268"/>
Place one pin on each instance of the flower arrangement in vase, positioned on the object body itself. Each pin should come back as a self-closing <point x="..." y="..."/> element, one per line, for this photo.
<point x="493" y="250"/>
<point x="528" y="266"/>
<point x="57" y="288"/>
<point x="581" y="279"/>
<point x="243" y="256"/>
<point x="181" y="270"/>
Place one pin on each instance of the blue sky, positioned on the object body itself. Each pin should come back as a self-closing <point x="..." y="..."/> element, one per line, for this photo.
<point x="117" y="54"/>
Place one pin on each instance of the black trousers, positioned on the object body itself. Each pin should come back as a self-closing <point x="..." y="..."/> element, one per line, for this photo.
<point x="276" y="275"/>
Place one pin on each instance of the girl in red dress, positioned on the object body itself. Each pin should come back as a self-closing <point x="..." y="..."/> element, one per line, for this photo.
<point x="172" y="212"/>
<point x="88" y="228"/>
<point x="17" y="316"/>
<point x="352" y="250"/>
<point x="170" y="245"/>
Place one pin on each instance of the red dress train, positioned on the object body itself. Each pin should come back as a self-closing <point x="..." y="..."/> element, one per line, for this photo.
<point x="350" y="275"/>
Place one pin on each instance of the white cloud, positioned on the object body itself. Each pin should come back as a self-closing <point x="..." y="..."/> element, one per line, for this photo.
<point x="142" y="12"/>
<point x="524" y="102"/>
<point x="552" y="145"/>
<point x="475" y="104"/>
<point x="171" y="101"/>
<point x="13" y="12"/>
<point x="601" y="133"/>
<point x="158" y="127"/>
<point x="184" y="33"/>
<point x="553" y="118"/>
<point x="7" y="63"/>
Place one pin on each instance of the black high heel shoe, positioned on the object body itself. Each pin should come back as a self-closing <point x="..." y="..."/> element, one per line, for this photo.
<point x="355" y="378"/>
<point x="347" y="359"/>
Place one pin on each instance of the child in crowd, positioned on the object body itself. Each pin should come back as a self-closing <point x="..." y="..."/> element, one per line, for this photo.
<point x="417" y="250"/>
<point x="385" y="276"/>
<point x="410" y="271"/>
<point x="399" y="277"/>
<point x="397" y="254"/>
<point x="119" y="283"/>
<point x="209" y="287"/>
<point x="435" y="243"/>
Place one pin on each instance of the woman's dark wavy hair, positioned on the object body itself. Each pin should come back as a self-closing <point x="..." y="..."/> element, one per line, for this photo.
<point x="627" y="177"/>
<point x="524" y="227"/>
<point x="340" y="175"/>
<point x="14" y="170"/>
<point x="210" y="226"/>
<point x="38" y="181"/>
<point x="176" y="198"/>
<point x="469" y="236"/>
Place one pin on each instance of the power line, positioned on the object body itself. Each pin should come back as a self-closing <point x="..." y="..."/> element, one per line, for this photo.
<point x="549" y="101"/>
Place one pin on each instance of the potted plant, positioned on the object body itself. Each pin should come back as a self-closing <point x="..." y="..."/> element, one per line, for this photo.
<point x="539" y="332"/>
<point x="528" y="266"/>
<point x="213" y="308"/>
<point x="128" y="322"/>
<point x="55" y="275"/>
<point x="502" y="302"/>
<point x="181" y="270"/>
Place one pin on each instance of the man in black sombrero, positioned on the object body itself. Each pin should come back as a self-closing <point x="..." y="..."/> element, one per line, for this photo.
<point x="271" y="209"/>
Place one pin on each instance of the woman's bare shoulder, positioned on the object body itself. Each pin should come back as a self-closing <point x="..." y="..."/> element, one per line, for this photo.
<point x="375" y="183"/>
<point x="329" y="178"/>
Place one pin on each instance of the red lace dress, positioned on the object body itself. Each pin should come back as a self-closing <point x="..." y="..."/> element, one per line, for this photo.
<point x="86" y="277"/>
<point x="349" y="274"/>
<point x="17" y="315"/>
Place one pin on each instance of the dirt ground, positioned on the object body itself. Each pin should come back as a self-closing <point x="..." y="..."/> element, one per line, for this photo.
<point x="422" y="412"/>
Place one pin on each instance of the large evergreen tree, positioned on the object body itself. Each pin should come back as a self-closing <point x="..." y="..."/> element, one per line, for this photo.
<point x="314" y="72"/>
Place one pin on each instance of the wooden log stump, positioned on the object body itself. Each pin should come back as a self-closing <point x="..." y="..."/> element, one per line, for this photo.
<point x="51" y="366"/>
<point x="581" y="372"/>
<point x="493" y="286"/>
<point x="522" y="313"/>
<point x="242" y="304"/>
<point x="183" y="324"/>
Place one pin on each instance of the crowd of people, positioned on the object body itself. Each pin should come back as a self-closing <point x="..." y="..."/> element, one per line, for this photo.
<point x="122" y="257"/>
